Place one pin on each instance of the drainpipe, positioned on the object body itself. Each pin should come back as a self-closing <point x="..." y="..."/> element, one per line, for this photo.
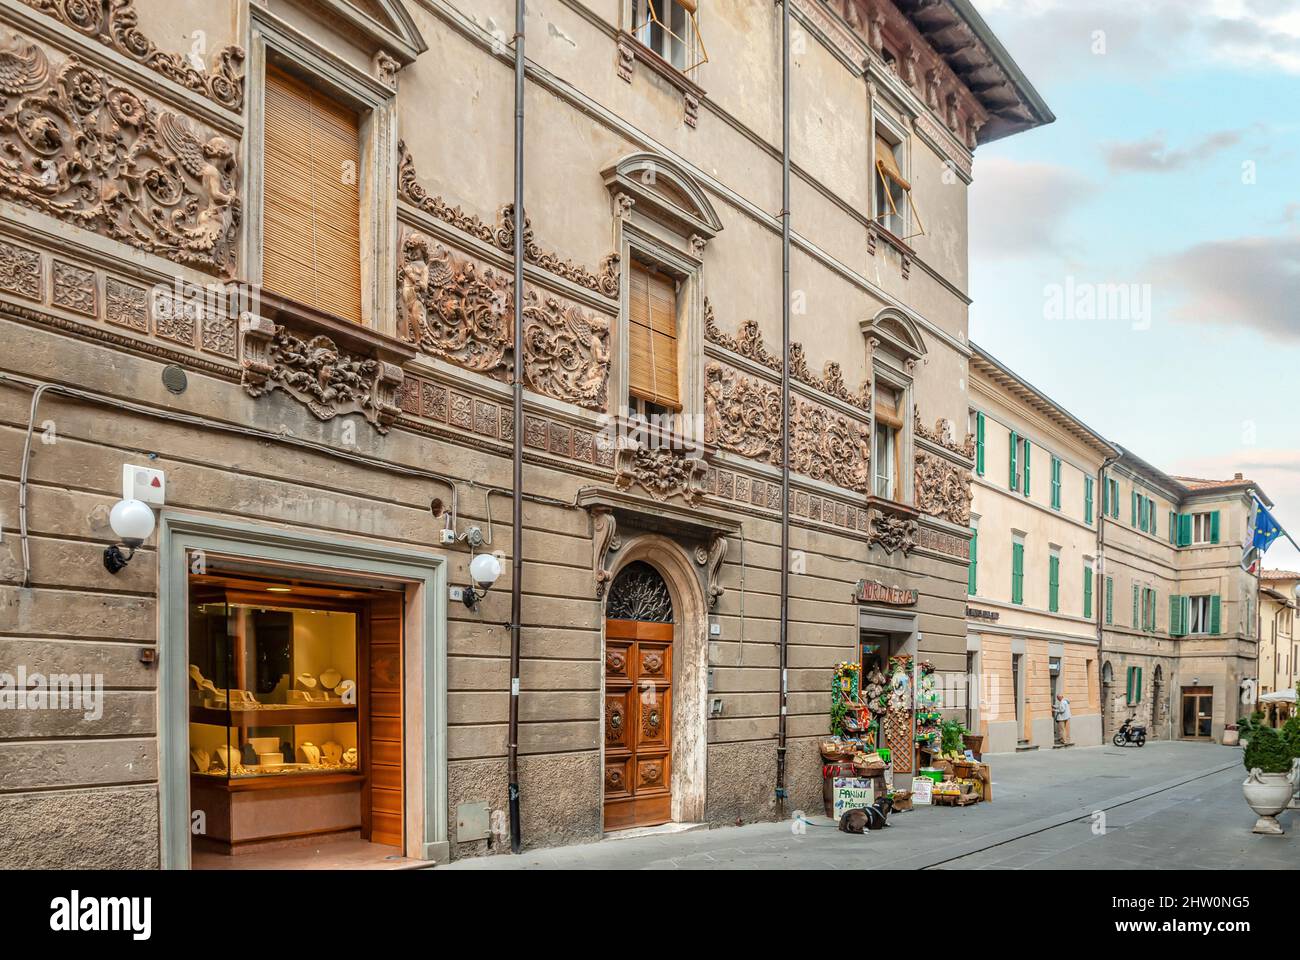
<point x="785" y="404"/>
<point x="517" y="517"/>
<point x="1101" y="593"/>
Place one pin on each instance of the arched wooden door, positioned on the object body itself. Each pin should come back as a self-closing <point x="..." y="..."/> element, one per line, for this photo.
<point x="638" y="699"/>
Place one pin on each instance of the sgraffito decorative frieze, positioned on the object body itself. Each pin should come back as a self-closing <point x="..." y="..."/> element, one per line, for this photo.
<point x="944" y="435"/>
<point x="662" y="472"/>
<point x="942" y="489"/>
<point x="958" y="548"/>
<point x="605" y="280"/>
<point x="81" y="147"/>
<point x="116" y="24"/>
<point x="317" y="373"/>
<point x="464" y="313"/>
<point x="749" y="343"/>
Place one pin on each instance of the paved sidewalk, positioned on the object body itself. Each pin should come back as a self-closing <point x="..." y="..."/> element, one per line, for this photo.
<point x="1048" y="794"/>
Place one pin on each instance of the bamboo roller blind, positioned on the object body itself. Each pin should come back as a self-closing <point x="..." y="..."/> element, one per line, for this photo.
<point x="312" y="212"/>
<point x="652" y="338"/>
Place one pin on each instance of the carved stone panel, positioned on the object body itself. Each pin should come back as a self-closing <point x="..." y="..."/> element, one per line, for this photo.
<point x="662" y="472"/>
<point x="942" y="489"/>
<point x="317" y="373"/>
<point x="455" y="309"/>
<point x="21" y="272"/>
<point x="82" y="147"/>
<point x="891" y="532"/>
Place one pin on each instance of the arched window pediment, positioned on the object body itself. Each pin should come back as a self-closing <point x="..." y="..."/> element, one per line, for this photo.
<point x="663" y="190"/>
<point x="896" y="334"/>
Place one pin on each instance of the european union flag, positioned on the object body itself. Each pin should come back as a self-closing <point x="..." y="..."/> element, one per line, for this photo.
<point x="1266" y="530"/>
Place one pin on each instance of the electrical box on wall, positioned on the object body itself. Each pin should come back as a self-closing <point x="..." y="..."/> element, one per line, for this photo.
<point x="472" y="822"/>
<point x="144" y="484"/>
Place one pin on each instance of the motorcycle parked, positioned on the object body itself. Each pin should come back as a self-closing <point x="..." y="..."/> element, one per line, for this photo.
<point x="1130" y="732"/>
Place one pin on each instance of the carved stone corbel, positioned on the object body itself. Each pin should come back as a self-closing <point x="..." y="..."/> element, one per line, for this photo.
<point x="386" y="68"/>
<point x="317" y="373"/>
<point x="626" y="59"/>
<point x="893" y="531"/>
<point x="717" y="553"/>
<point x="604" y="541"/>
<point x="663" y="473"/>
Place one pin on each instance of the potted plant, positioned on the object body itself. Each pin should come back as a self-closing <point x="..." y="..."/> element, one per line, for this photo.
<point x="1271" y="782"/>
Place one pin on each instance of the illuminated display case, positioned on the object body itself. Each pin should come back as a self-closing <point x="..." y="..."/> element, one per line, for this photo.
<point x="273" y="687"/>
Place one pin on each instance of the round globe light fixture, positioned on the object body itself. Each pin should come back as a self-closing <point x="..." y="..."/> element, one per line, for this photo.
<point x="484" y="570"/>
<point x="133" y="522"/>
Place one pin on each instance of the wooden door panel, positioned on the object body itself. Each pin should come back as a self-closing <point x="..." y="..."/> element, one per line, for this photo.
<point x="620" y="714"/>
<point x="638" y="725"/>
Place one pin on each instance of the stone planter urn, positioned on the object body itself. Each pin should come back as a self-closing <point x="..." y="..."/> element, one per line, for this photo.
<point x="1231" y="736"/>
<point x="1268" y="795"/>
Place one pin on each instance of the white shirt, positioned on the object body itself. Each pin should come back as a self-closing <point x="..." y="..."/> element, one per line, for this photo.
<point x="1063" y="709"/>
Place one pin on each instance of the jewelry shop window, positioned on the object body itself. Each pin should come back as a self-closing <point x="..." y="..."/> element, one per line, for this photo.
<point x="671" y="29"/>
<point x="294" y="712"/>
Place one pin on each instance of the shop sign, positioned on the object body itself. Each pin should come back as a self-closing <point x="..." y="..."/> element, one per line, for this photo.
<point x="873" y="591"/>
<point x="852" y="793"/>
<point x="992" y="616"/>
<point x="922" y="791"/>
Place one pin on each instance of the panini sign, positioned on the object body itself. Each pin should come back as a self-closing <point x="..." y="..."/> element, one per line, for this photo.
<point x="873" y="591"/>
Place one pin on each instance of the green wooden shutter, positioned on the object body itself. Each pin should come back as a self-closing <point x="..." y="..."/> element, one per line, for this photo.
<point x="1014" y="474"/>
<point x="1017" y="573"/>
<point x="979" y="444"/>
<point x="1114" y="499"/>
<point x="1056" y="484"/>
<point x="1137" y="607"/>
<point x="1110" y="599"/>
<point x="1173" y="527"/>
<point x="1214" y="527"/>
<point x="1185" y="530"/>
<point x="971" y="577"/>
<point x="1087" y="591"/>
<point x="1175" y="615"/>
<point x="1087" y="499"/>
<point x="1138" y="686"/>
<point x="1054" y="584"/>
<point x="1105" y="495"/>
<point x="1216" y="614"/>
<point x="1128" y="685"/>
<point x="1133" y="517"/>
<point x="1028" y="457"/>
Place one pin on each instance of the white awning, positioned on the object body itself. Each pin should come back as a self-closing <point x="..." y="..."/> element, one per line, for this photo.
<point x="1281" y="696"/>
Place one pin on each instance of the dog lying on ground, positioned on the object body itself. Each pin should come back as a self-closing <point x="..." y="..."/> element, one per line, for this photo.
<point x="874" y="817"/>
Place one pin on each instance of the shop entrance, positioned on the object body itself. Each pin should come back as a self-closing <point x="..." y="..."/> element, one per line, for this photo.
<point x="1198" y="713"/>
<point x="638" y="699"/>
<point x="295" y="718"/>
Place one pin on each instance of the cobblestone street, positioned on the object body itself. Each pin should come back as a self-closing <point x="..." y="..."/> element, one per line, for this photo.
<point x="1166" y="806"/>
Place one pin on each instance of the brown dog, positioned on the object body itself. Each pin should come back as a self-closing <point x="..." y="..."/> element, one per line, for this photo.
<point x="874" y="817"/>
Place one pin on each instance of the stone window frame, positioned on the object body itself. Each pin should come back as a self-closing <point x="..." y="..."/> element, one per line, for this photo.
<point x="894" y="347"/>
<point x="882" y="121"/>
<point x="276" y="43"/>
<point x="631" y="51"/>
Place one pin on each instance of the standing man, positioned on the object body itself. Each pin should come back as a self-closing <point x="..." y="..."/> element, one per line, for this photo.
<point x="1061" y="710"/>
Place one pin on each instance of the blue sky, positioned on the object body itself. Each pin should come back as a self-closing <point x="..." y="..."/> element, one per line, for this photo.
<point x="1171" y="170"/>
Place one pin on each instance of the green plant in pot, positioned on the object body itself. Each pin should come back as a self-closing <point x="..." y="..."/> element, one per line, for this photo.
<point x="951" y="734"/>
<point x="1268" y="788"/>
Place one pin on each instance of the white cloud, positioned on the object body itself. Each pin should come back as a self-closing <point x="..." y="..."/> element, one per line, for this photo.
<point x="1019" y="209"/>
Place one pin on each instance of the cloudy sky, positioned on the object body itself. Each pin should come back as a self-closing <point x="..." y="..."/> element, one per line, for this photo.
<point x="1139" y="259"/>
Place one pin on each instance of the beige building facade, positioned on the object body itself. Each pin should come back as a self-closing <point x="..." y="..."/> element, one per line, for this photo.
<point x="1032" y="607"/>
<point x="265" y="250"/>
<point x="1277" y="638"/>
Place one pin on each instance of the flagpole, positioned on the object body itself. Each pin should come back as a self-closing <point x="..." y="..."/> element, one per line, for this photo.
<point x="1259" y="503"/>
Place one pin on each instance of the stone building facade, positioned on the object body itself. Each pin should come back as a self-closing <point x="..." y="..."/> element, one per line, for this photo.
<point x="1277" y="637"/>
<point x="184" y="187"/>
<point x="1032" y="612"/>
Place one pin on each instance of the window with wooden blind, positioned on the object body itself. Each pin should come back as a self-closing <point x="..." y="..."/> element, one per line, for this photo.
<point x="311" y="228"/>
<point x="652" y="341"/>
<point x="888" y="450"/>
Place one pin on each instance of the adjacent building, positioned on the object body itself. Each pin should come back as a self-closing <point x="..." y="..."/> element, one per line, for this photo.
<point x="262" y="278"/>
<point x="1032" y="612"/>
<point x="1278" y="645"/>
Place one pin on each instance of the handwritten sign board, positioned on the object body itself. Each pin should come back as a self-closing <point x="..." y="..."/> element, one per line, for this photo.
<point x="922" y="791"/>
<point x="851" y="793"/>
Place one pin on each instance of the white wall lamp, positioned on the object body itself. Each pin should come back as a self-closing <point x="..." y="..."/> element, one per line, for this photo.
<point x="484" y="570"/>
<point x="133" y="522"/>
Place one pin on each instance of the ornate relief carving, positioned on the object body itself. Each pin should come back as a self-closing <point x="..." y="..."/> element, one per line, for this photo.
<point x="742" y="414"/>
<point x="387" y="68"/>
<point x="943" y="435"/>
<point x="604" y="281"/>
<point x="83" y="148"/>
<point x="20" y="272"/>
<point x="942" y="488"/>
<point x="615" y="723"/>
<point x="317" y="373"/>
<point x="626" y="59"/>
<point x="661" y="472"/>
<point x="75" y="288"/>
<point x="829" y="446"/>
<point x="126" y="304"/>
<point x="115" y="24"/>
<point x="464" y="314"/>
<point x="748" y="344"/>
<point x="891" y="532"/>
<point x="952" y="546"/>
<point x="652" y="725"/>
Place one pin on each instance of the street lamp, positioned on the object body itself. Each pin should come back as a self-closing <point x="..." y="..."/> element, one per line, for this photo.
<point x="484" y="570"/>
